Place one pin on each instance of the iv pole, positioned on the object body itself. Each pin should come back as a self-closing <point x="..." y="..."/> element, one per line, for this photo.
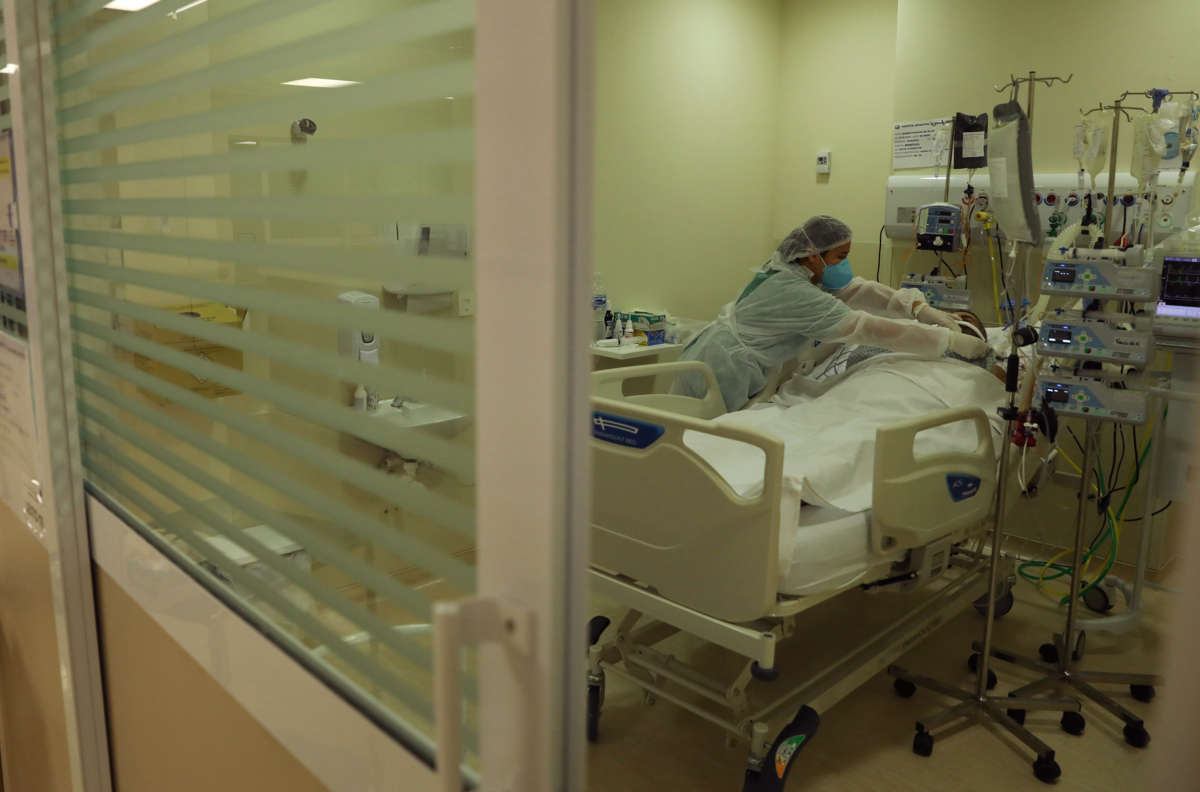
<point x="978" y="705"/>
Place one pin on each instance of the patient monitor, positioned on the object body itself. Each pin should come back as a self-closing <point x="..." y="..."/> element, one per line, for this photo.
<point x="1177" y="314"/>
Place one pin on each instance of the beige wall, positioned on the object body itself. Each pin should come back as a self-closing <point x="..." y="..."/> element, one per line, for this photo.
<point x="679" y="214"/>
<point x="34" y="753"/>
<point x="836" y="93"/>
<point x="171" y="725"/>
<point x="685" y="140"/>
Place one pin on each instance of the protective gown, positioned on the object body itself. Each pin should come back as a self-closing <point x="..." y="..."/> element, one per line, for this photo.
<point x="781" y="312"/>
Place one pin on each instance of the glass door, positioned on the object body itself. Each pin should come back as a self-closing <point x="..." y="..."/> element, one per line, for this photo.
<point x="288" y="248"/>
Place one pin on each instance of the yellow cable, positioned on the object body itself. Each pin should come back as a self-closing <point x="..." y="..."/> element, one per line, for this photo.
<point x="1117" y="523"/>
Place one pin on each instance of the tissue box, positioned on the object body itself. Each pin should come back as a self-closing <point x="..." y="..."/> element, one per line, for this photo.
<point x="202" y="348"/>
<point x="651" y="325"/>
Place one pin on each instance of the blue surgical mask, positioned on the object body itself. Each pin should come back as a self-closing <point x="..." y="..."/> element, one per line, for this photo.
<point x="836" y="276"/>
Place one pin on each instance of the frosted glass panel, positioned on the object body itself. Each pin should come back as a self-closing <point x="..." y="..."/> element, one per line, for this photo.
<point x="268" y="210"/>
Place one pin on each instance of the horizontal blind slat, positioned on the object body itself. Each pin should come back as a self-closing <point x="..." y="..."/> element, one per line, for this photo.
<point x="378" y="209"/>
<point x="354" y="522"/>
<point x="384" y="378"/>
<point x="81" y="11"/>
<point x="394" y="30"/>
<point x="408" y="495"/>
<point x="381" y="263"/>
<point x="17" y="315"/>
<point x="200" y="35"/>
<point x="424" y="148"/>
<point x="371" y="429"/>
<point x="385" y="585"/>
<point x="375" y="673"/>
<point x="432" y="83"/>
<point x="447" y="335"/>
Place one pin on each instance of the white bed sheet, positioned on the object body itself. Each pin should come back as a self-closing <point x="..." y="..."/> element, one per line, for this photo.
<point x="829" y="447"/>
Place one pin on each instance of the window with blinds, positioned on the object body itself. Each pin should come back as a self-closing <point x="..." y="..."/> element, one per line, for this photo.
<point x="267" y="210"/>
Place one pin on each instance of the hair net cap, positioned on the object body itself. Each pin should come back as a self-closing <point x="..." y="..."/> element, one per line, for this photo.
<point x="817" y="235"/>
<point x="827" y="232"/>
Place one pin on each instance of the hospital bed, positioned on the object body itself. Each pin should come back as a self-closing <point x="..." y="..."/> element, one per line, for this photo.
<point x="678" y="548"/>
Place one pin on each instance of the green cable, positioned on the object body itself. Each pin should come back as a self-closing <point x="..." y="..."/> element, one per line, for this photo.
<point x="1061" y="570"/>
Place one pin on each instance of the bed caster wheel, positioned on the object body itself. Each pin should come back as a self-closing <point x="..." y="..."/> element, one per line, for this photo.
<point x="763" y="674"/>
<point x="1136" y="735"/>
<point x="1046" y="770"/>
<point x="1142" y="692"/>
<point x="1072" y="723"/>
<point x="596" y="627"/>
<point x="904" y="688"/>
<point x="923" y="743"/>
<point x="594" y="698"/>
<point x="1080" y="646"/>
<point x="1004" y="604"/>
<point x="649" y="699"/>
<point x="1048" y="652"/>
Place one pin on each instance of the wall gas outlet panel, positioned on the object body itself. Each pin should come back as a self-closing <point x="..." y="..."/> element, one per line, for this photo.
<point x="1106" y="274"/>
<point x="1058" y="198"/>
<point x="1068" y="334"/>
<point x="1092" y="397"/>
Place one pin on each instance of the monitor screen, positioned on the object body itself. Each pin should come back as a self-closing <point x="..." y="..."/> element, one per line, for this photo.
<point x="1180" y="287"/>
<point x="1181" y="280"/>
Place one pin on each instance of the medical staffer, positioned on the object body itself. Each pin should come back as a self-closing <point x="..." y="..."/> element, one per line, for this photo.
<point x="807" y="292"/>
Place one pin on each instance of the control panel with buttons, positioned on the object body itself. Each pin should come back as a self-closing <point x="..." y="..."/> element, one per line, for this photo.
<point x="1069" y="334"/>
<point x="1093" y="397"/>
<point x="1105" y="274"/>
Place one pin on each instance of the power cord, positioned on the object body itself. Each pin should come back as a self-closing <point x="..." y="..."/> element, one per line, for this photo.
<point x="879" y="254"/>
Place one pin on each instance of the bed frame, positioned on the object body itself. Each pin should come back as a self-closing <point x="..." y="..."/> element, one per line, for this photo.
<point x="677" y="547"/>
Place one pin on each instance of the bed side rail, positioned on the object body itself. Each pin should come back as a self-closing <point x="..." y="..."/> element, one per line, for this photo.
<point x="610" y="384"/>
<point x="662" y="516"/>
<point x="918" y="499"/>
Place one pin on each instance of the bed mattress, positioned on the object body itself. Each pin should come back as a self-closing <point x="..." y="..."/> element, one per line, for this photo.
<point x="822" y="549"/>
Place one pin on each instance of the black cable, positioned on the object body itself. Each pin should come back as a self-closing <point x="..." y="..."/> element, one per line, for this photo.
<point x="1120" y="460"/>
<point x="943" y="263"/>
<point x="879" y="254"/>
<point x="1152" y="514"/>
<point x="1078" y="444"/>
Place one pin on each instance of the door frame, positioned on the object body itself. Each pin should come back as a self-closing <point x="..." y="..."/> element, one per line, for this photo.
<point x="533" y="215"/>
<point x="56" y="459"/>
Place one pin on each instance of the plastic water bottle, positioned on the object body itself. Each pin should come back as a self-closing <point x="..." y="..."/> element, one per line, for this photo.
<point x="599" y="306"/>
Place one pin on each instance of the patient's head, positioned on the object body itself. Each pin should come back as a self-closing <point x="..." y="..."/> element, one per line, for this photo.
<point x="970" y="323"/>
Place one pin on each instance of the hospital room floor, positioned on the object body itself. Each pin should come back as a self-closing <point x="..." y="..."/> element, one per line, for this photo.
<point x="864" y="742"/>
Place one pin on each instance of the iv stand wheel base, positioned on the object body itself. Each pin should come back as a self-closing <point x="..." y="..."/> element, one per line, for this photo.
<point x="1142" y="692"/>
<point x="922" y="743"/>
<point x="904" y="688"/>
<point x="1073" y="723"/>
<point x="1046" y="770"/>
<point x="973" y="665"/>
<point x="1136" y="735"/>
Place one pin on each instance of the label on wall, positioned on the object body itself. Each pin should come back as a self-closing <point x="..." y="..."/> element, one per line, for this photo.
<point x="18" y="434"/>
<point x="920" y="144"/>
<point x="10" y="237"/>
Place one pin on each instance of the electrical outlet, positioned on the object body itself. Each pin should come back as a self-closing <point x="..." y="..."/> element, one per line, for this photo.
<point x="466" y="303"/>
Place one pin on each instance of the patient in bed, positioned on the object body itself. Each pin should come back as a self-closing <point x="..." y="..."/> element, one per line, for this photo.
<point x="851" y="355"/>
